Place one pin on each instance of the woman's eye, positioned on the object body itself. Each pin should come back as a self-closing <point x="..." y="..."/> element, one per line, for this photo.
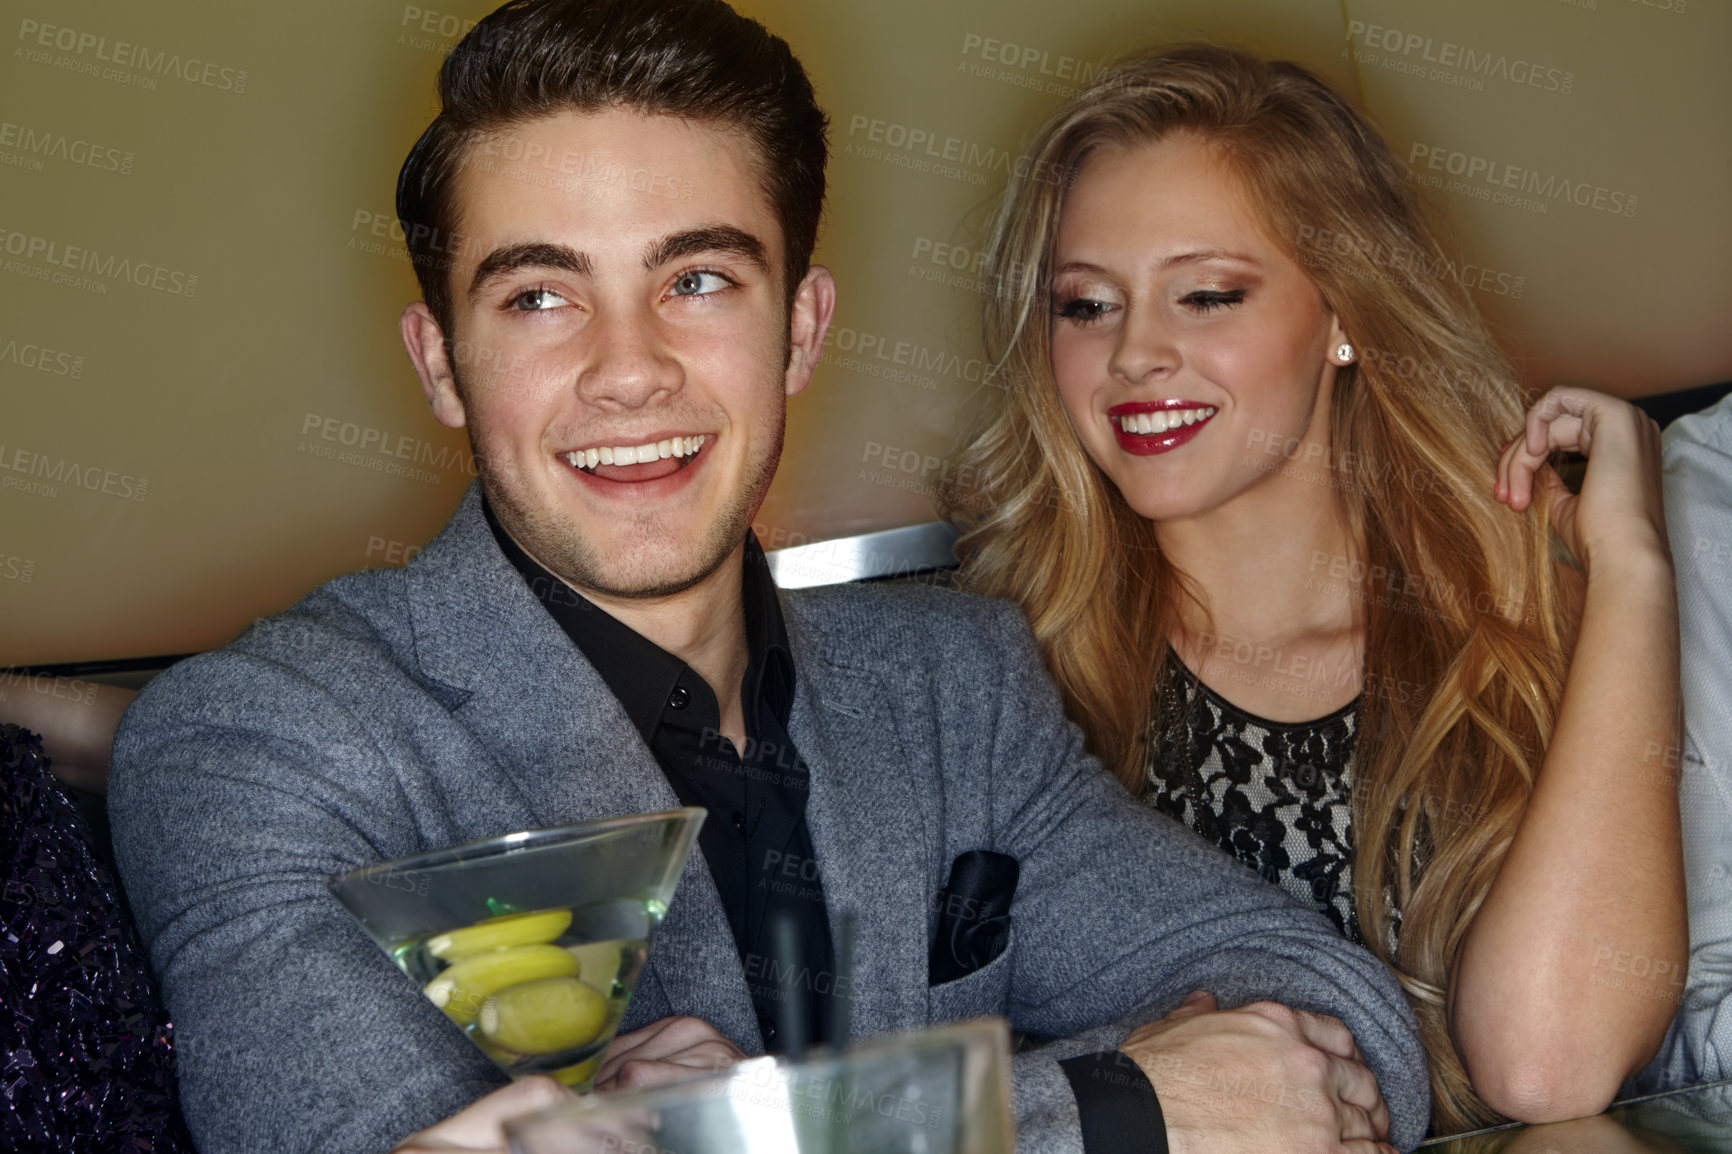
<point x="536" y="300"/>
<point x="697" y="284"/>
<point x="1082" y="310"/>
<point x="1208" y="300"/>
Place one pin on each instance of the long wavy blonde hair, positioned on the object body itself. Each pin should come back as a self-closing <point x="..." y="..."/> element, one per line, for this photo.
<point x="1474" y="639"/>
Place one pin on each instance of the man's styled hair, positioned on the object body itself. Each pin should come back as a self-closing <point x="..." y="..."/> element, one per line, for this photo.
<point x="695" y="59"/>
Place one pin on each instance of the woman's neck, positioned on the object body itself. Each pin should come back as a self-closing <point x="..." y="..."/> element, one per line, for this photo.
<point x="1276" y="631"/>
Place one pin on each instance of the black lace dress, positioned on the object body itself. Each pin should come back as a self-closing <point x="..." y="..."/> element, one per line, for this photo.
<point x="1275" y="795"/>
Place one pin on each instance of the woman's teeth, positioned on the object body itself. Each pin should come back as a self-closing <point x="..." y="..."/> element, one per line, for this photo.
<point x="1145" y="424"/>
<point x="635" y="454"/>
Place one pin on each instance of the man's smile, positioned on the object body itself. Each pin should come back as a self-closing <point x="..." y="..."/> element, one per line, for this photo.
<point x="648" y="460"/>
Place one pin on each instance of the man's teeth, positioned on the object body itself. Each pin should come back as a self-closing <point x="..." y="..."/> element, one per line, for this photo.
<point x="635" y="454"/>
<point x="1149" y="423"/>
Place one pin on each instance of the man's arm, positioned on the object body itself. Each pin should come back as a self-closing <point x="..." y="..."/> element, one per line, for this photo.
<point x="1121" y="912"/>
<point x="238" y="787"/>
<point x="1697" y="453"/>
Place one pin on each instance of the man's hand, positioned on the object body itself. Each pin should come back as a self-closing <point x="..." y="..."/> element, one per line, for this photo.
<point x="670" y="1050"/>
<point x="480" y="1125"/>
<point x="1262" y="1078"/>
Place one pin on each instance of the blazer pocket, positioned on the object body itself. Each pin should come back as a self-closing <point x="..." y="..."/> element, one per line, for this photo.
<point x="985" y="991"/>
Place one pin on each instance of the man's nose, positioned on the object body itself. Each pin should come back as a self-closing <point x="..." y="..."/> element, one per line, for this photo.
<point x="1146" y="350"/>
<point x="628" y="366"/>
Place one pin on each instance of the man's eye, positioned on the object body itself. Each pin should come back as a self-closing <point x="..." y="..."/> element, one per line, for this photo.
<point x="698" y="283"/>
<point x="1207" y="300"/>
<point x="537" y="300"/>
<point x="1083" y="310"/>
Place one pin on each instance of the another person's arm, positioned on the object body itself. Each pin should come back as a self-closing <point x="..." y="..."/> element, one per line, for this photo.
<point x="75" y="718"/>
<point x="1564" y="984"/>
<point x="1698" y="487"/>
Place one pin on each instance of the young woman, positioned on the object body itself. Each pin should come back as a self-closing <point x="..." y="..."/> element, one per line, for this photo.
<point x="1266" y="489"/>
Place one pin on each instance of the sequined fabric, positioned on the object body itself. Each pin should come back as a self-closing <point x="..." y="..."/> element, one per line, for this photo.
<point x="86" y="1060"/>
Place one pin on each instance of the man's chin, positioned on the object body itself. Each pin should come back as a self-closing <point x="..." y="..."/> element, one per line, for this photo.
<point x="647" y="582"/>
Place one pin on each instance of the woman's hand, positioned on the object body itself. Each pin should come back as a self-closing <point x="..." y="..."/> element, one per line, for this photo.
<point x="1619" y="507"/>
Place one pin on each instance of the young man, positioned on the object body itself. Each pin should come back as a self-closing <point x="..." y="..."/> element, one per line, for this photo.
<point x="612" y="220"/>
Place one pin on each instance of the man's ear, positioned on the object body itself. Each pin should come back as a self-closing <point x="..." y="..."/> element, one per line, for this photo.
<point x="425" y="341"/>
<point x="814" y="305"/>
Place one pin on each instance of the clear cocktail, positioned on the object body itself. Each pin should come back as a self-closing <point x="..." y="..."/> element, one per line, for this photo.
<point x="532" y="943"/>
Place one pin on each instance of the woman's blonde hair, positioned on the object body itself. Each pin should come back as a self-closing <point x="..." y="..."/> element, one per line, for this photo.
<point x="1459" y="598"/>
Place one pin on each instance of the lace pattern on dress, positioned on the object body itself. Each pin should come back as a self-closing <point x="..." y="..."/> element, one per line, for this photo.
<point x="1276" y="796"/>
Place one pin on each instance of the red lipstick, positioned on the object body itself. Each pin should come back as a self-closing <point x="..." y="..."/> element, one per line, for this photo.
<point x="1148" y="444"/>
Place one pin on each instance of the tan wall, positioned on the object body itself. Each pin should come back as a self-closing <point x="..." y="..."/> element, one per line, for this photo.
<point x="204" y="409"/>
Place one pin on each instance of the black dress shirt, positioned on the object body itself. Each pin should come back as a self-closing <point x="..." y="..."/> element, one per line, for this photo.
<point x="755" y="839"/>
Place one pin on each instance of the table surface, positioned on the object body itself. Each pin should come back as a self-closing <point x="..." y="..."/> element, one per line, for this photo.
<point x="1694" y="1120"/>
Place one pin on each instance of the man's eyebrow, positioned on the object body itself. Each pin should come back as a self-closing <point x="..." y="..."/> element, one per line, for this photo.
<point x="718" y="238"/>
<point x="502" y="261"/>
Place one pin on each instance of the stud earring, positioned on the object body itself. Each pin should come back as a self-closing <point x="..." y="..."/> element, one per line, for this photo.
<point x="1344" y="353"/>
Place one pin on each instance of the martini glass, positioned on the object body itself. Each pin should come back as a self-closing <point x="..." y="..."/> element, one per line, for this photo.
<point x="532" y="943"/>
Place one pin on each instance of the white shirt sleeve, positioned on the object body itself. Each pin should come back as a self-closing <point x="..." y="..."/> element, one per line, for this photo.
<point x="1698" y="493"/>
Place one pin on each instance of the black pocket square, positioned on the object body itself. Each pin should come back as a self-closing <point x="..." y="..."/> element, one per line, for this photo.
<point x="973" y="915"/>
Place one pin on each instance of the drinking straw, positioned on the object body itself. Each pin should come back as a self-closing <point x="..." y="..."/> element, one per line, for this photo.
<point x="842" y="989"/>
<point x="795" y="1028"/>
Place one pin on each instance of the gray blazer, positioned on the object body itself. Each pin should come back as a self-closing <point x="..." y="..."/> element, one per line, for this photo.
<point x="398" y="711"/>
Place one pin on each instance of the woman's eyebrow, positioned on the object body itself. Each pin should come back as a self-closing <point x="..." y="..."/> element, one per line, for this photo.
<point x="1199" y="255"/>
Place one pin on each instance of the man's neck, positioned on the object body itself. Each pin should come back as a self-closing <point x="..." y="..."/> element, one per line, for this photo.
<point x="704" y="626"/>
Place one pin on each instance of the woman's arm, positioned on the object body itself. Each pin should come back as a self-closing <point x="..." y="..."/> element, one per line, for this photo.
<point x="1572" y="969"/>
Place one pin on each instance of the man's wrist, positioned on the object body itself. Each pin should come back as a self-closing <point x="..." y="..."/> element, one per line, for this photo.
<point x="1116" y="1104"/>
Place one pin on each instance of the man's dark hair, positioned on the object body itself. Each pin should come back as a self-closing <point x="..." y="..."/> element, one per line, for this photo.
<point x="695" y="59"/>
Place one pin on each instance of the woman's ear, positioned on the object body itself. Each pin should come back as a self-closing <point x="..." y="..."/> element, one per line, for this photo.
<point x="1342" y="351"/>
<point x="425" y="341"/>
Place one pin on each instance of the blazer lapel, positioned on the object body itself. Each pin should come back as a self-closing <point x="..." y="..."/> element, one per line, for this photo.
<point x="869" y="833"/>
<point x="526" y="693"/>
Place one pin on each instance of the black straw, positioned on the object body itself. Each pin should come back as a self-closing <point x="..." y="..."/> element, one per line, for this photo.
<point x="842" y="989"/>
<point x="796" y="1031"/>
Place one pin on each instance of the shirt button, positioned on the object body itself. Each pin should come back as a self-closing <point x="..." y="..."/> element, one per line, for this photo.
<point x="679" y="698"/>
<point x="739" y="820"/>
